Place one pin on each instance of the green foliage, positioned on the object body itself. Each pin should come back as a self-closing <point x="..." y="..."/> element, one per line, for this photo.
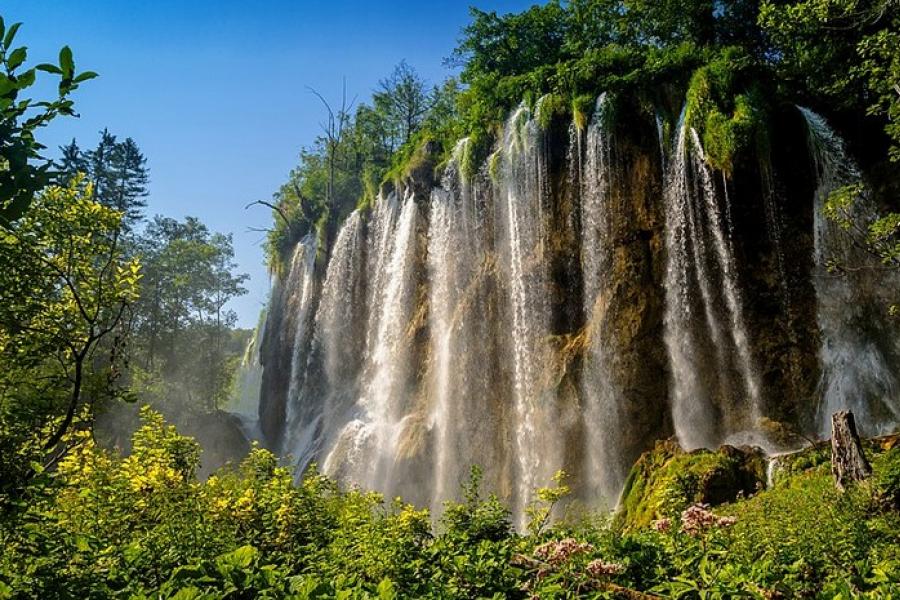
<point x="878" y="236"/>
<point x="182" y="354"/>
<point x="143" y="526"/>
<point x="886" y="481"/>
<point x="65" y="287"/>
<point x="23" y="171"/>
<point x="117" y="170"/>
<point x="727" y="119"/>
<point x="844" y="53"/>
<point x="548" y="498"/>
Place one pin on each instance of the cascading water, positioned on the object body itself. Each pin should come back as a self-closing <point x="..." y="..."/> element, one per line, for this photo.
<point x="248" y="381"/>
<point x="522" y="193"/>
<point x="302" y="417"/>
<point x="701" y="279"/>
<point x="367" y="448"/>
<point x="340" y="322"/>
<point x="603" y="417"/>
<point x="522" y="317"/>
<point x="855" y="370"/>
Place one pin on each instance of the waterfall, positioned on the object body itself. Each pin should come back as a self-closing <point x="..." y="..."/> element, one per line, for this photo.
<point x="339" y="325"/>
<point x="855" y="369"/>
<point x="244" y="401"/>
<point x="522" y="192"/>
<point x="711" y="364"/>
<point x="603" y="416"/>
<point x="302" y="416"/>
<point x="367" y="448"/>
<point x="522" y="318"/>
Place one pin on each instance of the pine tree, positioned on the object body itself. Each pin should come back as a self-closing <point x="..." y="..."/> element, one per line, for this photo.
<point x="101" y="169"/>
<point x="132" y="178"/>
<point x="73" y="162"/>
<point x="118" y="171"/>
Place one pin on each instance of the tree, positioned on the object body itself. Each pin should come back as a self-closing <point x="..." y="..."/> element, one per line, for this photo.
<point x="403" y="101"/>
<point x="117" y="170"/>
<point x="130" y="181"/>
<point x="23" y="171"/>
<point x="494" y="45"/>
<point x="844" y="51"/>
<point x="182" y="327"/>
<point x="65" y="290"/>
<point x="72" y="163"/>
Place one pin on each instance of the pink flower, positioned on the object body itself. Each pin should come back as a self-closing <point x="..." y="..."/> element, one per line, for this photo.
<point x="558" y="552"/>
<point x="599" y="568"/>
<point x="662" y="525"/>
<point x="697" y="518"/>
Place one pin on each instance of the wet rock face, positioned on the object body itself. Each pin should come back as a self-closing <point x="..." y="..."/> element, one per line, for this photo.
<point x="275" y="361"/>
<point x="635" y="313"/>
<point x="773" y="236"/>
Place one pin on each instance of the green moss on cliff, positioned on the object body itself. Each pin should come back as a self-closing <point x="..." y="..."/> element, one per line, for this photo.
<point x="548" y="108"/>
<point x="729" y="118"/>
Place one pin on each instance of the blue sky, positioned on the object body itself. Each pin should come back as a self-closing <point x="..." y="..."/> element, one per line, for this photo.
<point x="215" y="92"/>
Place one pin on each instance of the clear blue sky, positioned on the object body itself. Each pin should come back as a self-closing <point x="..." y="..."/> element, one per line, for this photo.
<point x="214" y="92"/>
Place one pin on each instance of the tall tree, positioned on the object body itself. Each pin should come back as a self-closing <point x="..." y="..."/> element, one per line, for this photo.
<point x="131" y="180"/>
<point x="404" y="100"/>
<point x="65" y="288"/>
<point x="182" y="326"/>
<point x="117" y="170"/>
<point x="72" y="163"/>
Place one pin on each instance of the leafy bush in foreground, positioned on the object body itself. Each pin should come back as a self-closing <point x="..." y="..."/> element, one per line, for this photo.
<point x="144" y="526"/>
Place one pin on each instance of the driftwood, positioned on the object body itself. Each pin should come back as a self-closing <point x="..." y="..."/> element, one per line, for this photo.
<point x="848" y="461"/>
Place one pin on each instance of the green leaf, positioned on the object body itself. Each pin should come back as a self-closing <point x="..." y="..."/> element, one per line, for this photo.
<point x="26" y="79"/>
<point x="48" y="68"/>
<point x="87" y="75"/>
<point x="7" y="40"/>
<point x="386" y="590"/>
<point x="16" y="58"/>
<point x="242" y="557"/>
<point x="66" y="62"/>
<point x="188" y="593"/>
<point x="6" y="85"/>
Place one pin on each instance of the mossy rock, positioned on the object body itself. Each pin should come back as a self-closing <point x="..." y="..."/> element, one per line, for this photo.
<point x="666" y="480"/>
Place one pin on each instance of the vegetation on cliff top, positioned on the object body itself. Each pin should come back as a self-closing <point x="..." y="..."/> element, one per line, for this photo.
<point x="732" y="62"/>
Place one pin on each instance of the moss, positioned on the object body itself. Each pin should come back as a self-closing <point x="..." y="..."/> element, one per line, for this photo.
<point x="495" y="160"/>
<point x="583" y="110"/>
<point x="882" y="451"/>
<point x="548" y="108"/>
<point x="790" y="465"/>
<point x="666" y="480"/>
<point x="475" y="153"/>
<point x="411" y="157"/>
<point x="728" y="117"/>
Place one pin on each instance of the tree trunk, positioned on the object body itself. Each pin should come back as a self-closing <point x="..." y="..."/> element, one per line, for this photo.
<point x="848" y="462"/>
